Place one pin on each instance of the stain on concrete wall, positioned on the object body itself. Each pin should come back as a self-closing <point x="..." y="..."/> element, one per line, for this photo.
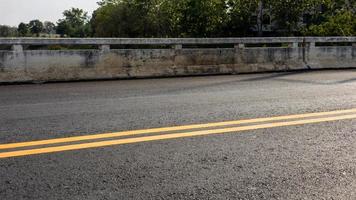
<point x="51" y="65"/>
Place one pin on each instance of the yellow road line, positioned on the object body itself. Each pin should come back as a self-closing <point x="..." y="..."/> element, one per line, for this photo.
<point x="156" y="130"/>
<point x="169" y="136"/>
<point x="175" y="128"/>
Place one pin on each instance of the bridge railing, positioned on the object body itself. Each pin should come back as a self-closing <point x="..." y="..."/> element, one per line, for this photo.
<point x="105" y="43"/>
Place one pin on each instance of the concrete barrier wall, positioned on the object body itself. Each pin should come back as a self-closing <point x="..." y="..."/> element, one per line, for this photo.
<point x="21" y="65"/>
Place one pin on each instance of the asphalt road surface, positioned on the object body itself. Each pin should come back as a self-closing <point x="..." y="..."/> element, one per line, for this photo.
<point x="263" y="136"/>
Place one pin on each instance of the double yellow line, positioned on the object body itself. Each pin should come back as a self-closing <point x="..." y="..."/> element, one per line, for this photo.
<point x="163" y="133"/>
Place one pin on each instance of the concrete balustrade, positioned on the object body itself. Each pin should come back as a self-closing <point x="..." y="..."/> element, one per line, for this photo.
<point x="18" y="48"/>
<point x="105" y="48"/>
<point x="127" y="58"/>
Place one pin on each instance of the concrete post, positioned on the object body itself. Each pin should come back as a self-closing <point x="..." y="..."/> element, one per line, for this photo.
<point x="312" y="44"/>
<point x="104" y="48"/>
<point x="178" y="46"/>
<point x="294" y="45"/>
<point x="177" y="55"/>
<point x="17" y="48"/>
<point x="239" y="46"/>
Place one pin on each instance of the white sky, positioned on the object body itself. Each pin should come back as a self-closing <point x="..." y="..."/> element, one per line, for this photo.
<point x="12" y="12"/>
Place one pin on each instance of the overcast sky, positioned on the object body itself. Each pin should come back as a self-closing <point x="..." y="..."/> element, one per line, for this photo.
<point x="12" y="12"/>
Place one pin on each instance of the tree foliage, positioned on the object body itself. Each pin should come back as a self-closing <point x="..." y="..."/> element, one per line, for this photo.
<point x="49" y="27"/>
<point x="239" y="17"/>
<point x="338" y="19"/>
<point x="8" y="31"/>
<point x="35" y="27"/>
<point x="131" y="18"/>
<point x="74" y="24"/>
<point x="23" y="29"/>
<point x="201" y="18"/>
<point x="221" y="18"/>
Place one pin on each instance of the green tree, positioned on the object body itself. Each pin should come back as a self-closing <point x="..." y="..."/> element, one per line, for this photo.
<point x="160" y="18"/>
<point x="340" y="24"/>
<point x="124" y="18"/>
<point x="164" y="19"/>
<point x="218" y="18"/>
<point x="35" y="27"/>
<point x="286" y="14"/>
<point x="202" y="18"/>
<point x="23" y="29"/>
<point x="7" y="31"/>
<point x="74" y="24"/>
<point x="49" y="27"/>
<point x="240" y="20"/>
<point x="337" y="19"/>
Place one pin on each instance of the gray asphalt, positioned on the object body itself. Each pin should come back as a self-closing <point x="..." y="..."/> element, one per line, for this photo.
<point x="315" y="161"/>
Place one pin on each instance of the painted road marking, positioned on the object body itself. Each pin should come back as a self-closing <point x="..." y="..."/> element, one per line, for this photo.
<point x="170" y="136"/>
<point x="159" y="130"/>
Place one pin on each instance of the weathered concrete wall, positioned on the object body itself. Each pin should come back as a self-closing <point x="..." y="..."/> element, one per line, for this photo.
<point x="20" y="65"/>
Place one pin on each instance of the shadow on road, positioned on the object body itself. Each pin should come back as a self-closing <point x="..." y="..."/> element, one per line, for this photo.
<point x="278" y="75"/>
<point x="282" y="77"/>
<point x="217" y="83"/>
